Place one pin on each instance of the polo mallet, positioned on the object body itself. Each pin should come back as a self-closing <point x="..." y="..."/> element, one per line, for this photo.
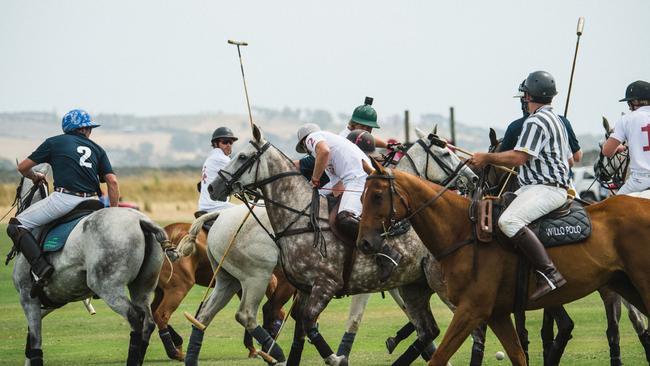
<point x="442" y="143"/>
<point x="192" y="318"/>
<point x="241" y="64"/>
<point x="581" y="25"/>
<point x="89" y="306"/>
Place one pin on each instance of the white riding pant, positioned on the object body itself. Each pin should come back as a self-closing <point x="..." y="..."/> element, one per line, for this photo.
<point x="636" y="182"/>
<point x="351" y="198"/>
<point x="532" y="202"/>
<point x="49" y="209"/>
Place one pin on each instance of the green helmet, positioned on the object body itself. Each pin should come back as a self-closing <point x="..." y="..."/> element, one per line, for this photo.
<point x="365" y="114"/>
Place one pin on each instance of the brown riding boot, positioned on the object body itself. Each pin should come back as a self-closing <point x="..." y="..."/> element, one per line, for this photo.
<point x="548" y="277"/>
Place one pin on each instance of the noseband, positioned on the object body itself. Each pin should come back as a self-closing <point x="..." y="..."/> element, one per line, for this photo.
<point x="430" y="155"/>
<point x="611" y="172"/>
<point x="232" y="180"/>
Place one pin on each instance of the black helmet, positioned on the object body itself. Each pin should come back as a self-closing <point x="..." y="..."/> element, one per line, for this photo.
<point x="540" y="85"/>
<point x="223" y="132"/>
<point x="363" y="139"/>
<point x="638" y="90"/>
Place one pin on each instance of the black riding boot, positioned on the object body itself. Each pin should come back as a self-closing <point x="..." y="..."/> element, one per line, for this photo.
<point x="388" y="260"/>
<point x="548" y="277"/>
<point x="25" y="243"/>
<point x="348" y="225"/>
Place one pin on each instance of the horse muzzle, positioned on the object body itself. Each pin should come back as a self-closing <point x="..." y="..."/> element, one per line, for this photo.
<point x="369" y="245"/>
<point x="219" y="191"/>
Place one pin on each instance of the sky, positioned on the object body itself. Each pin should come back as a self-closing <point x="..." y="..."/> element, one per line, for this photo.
<point x="159" y="57"/>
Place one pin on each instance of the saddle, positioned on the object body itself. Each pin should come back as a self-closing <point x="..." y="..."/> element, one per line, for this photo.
<point x="570" y="223"/>
<point x="54" y="234"/>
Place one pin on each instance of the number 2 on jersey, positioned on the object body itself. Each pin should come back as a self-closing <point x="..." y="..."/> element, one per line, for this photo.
<point x="85" y="151"/>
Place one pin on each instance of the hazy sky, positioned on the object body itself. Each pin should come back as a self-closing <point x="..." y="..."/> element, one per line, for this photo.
<point x="164" y="57"/>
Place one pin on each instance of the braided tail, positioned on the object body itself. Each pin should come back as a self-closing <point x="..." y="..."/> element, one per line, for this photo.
<point x="187" y="245"/>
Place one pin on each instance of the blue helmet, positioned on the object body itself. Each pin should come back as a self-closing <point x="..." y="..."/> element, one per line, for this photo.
<point x="77" y="118"/>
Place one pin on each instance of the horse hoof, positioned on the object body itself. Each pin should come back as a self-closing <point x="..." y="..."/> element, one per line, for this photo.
<point x="390" y="345"/>
<point x="180" y="356"/>
<point x="334" y="360"/>
<point x="252" y="353"/>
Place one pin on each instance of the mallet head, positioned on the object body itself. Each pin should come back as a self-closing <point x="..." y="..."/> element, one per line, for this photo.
<point x="581" y="26"/>
<point x="238" y="43"/>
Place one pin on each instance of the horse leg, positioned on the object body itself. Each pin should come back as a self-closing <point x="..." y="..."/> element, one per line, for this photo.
<point x="282" y="294"/>
<point x="405" y="331"/>
<point x="467" y="317"/>
<point x="505" y="331"/>
<point x="117" y="300"/>
<point x="140" y="290"/>
<point x="171" y="299"/>
<point x="253" y="289"/>
<point x="612" y="302"/>
<point x="357" y="307"/>
<point x="478" y="345"/>
<point x="522" y="332"/>
<point x="416" y="302"/>
<point x="295" y="354"/>
<point x="547" y="333"/>
<point x="564" y="328"/>
<point x="226" y="287"/>
<point x="321" y="294"/>
<point x="639" y="326"/>
<point x="32" y="310"/>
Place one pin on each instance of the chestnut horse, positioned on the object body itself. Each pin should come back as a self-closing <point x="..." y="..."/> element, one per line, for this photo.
<point x="481" y="278"/>
<point x="173" y="286"/>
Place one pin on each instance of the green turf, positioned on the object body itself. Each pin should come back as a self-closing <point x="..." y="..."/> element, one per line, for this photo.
<point x="72" y="337"/>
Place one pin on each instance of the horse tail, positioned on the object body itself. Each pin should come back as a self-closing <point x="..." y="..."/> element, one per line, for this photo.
<point x="187" y="245"/>
<point x="159" y="234"/>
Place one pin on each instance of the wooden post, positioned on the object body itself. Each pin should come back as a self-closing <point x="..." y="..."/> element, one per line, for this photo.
<point x="452" y="125"/>
<point x="406" y="127"/>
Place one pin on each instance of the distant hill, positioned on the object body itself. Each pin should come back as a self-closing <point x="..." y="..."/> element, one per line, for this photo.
<point x="183" y="140"/>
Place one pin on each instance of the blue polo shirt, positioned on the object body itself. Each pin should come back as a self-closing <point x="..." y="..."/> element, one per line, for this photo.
<point x="78" y="163"/>
<point x="514" y="130"/>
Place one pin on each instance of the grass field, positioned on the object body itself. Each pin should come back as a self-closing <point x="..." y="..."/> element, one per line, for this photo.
<point x="73" y="337"/>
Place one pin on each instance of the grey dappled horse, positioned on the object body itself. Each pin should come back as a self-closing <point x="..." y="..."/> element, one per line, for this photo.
<point x="253" y="256"/>
<point x="318" y="272"/>
<point x="108" y="251"/>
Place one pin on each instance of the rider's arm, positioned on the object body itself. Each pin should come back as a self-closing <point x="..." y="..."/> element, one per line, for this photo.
<point x="577" y="156"/>
<point x="508" y="158"/>
<point x="113" y="189"/>
<point x="610" y="146"/>
<point x="25" y="168"/>
<point x="322" y="157"/>
<point x="379" y="142"/>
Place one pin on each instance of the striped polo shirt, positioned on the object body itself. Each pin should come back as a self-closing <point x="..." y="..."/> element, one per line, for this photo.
<point x="544" y="138"/>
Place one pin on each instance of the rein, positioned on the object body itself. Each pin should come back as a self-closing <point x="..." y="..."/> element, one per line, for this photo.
<point x="396" y="224"/>
<point x="444" y="166"/>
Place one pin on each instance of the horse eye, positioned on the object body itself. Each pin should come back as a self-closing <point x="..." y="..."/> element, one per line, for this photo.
<point x="377" y="196"/>
<point x="242" y="156"/>
<point x="446" y="153"/>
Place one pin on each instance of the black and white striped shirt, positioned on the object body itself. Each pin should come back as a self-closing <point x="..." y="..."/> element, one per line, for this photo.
<point x="544" y="138"/>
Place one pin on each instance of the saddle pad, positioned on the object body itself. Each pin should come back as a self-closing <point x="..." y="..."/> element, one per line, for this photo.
<point x="574" y="227"/>
<point x="56" y="237"/>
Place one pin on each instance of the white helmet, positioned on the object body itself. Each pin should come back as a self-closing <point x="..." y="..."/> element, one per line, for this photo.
<point x="303" y="132"/>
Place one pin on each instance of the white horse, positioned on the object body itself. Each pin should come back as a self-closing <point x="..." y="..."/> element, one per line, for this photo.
<point x="254" y="255"/>
<point x="107" y="251"/>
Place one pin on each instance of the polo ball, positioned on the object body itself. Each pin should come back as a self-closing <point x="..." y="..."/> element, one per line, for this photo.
<point x="500" y="355"/>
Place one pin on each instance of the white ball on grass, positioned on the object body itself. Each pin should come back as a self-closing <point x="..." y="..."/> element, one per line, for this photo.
<point x="499" y="355"/>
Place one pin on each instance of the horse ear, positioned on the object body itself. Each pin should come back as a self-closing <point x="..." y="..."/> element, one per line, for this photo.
<point x="257" y="133"/>
<point x="493" y="137"/>
<point x="606" y="125"/>
<point x="420" y="133"/>
<point x="367" y="168"/>
<point x="435" y="129"/>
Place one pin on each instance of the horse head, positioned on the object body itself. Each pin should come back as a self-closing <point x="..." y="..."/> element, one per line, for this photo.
<point x="28" y="194"/>
<point x="611" y="172"/>
<point x="244" y="170"/>
<point x="382" y="199"/>
<point x="438" y="161"/>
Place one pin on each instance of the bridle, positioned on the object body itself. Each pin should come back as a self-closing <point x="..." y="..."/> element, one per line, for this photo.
<point x="231" y="181"/>
<point x="396" y="225"/>
<point x="611" y="172"/>
<point x="24" y="202"/>
<point x="431" y="156"/>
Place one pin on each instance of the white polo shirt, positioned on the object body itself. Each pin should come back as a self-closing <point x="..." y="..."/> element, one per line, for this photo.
<point x="345" y="157"/>
<point x="213" y="164"/>
<point x="634" y="128"/>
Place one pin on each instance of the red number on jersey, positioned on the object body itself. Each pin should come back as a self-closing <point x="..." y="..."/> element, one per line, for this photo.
<point x="646" y="129"/>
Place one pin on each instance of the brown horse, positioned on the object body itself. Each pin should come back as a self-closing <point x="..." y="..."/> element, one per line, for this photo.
<point x="481" y="278"/>
<point x="174" y="285"/>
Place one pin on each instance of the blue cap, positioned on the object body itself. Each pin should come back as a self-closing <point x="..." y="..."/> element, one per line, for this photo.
<point x="77" y="118"/>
